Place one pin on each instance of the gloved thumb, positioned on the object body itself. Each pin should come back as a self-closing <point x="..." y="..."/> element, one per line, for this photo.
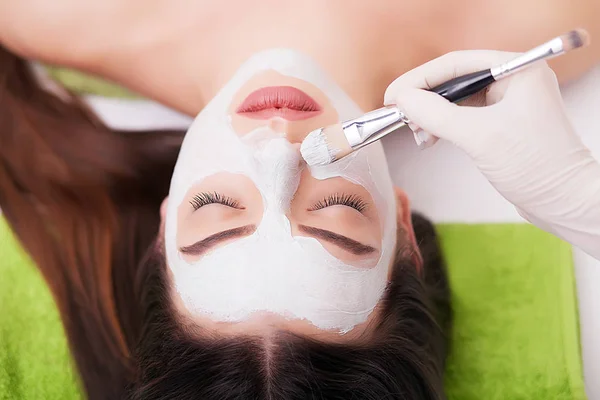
<point x="436" y="115"/>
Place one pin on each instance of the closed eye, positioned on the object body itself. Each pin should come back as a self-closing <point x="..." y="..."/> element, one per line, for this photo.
<point x="349" y="200"/>
<point x="202" y="199"/>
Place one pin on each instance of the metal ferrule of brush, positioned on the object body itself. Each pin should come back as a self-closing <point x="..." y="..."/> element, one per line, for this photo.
<point x="551" y="49"/>
<point x="372" y="126"/>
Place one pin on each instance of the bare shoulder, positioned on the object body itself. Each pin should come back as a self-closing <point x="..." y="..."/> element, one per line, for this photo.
<point x="518" y="25"/>
<point x="60" y="31"/>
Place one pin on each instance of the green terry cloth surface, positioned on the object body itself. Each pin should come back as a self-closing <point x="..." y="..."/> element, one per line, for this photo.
<point x="516" y="330"/>
<point x="515" y="334"/>
<point x="35" y="363"/>
<point x="82" y="83"/>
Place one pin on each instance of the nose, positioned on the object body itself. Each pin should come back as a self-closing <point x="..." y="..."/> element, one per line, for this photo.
<point x="278" y="124"/>
<point x="296" y="136"/>
<point x="294" y="132"/>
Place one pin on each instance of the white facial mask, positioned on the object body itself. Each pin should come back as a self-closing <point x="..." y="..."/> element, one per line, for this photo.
<point x="271" y="270"/>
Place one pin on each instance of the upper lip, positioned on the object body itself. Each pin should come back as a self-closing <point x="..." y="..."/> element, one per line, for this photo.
<point x="287" y="102"/>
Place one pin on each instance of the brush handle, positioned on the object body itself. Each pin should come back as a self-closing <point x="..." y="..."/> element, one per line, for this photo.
<point x="460" y="88"/>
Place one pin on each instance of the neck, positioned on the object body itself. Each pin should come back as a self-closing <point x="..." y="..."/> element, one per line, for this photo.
<point x="193" y="54"/>
<point x="183" y="81"/>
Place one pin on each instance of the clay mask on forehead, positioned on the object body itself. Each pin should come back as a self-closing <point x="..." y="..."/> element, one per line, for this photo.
<point x="271" y="270"/>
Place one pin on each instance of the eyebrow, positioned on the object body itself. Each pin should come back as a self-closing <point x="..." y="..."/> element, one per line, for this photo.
<point x="206" y="244"/>
<point x="344" y="242"/>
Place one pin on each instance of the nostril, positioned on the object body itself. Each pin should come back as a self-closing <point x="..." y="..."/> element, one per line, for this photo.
<point x="279" y="125"/>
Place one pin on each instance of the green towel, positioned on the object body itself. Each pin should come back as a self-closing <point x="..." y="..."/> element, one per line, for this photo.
<point x="82" y="83"/>
<point x="516" y="331"/>
<point x="34" y="359"/>
<point x="515" y="334"/>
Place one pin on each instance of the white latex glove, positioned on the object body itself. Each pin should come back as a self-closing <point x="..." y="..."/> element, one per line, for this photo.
<point x="518" y="135"/>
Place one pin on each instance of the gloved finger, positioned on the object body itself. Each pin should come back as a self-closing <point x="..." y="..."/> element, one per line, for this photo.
<point x="439" y="117"/>
<point x="423" y="139"/>
<point x="538" y="81"/>
<point x="488" y="96"/>
<point x="444" y="68"/>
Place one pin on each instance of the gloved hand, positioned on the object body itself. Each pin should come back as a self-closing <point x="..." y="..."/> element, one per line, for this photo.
<point x="518" y="135"/>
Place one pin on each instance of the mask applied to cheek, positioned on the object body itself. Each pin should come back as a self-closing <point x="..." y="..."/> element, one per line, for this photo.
<point x="272" y="270"/>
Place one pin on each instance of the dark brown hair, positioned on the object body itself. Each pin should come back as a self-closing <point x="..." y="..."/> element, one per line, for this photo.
<point x="401" y="357"/>
<point x="84" y="202"/>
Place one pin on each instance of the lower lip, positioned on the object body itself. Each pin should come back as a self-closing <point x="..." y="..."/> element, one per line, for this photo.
<point x="279" y="101"/>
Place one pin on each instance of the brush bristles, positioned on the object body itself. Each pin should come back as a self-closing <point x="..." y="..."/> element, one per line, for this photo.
<point x="315" y="150"/>
<point x="575" y="39"/>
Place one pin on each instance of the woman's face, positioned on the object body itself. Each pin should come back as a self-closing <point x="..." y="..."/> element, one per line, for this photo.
<point x="251" y="231"/>
<point x="226" y="206"/>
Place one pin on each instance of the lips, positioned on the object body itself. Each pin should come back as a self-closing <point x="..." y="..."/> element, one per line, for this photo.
<point x="279" y="101"/>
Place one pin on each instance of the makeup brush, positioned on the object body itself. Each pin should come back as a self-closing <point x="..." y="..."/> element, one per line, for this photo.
<point x="326" y="145"/>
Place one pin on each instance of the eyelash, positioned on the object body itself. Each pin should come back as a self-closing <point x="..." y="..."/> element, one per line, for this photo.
<point x="350" y="200"/>
<point x="202" y="199"/>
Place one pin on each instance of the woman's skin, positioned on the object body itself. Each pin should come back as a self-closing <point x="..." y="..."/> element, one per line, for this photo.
<point x="181" y="52"/>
